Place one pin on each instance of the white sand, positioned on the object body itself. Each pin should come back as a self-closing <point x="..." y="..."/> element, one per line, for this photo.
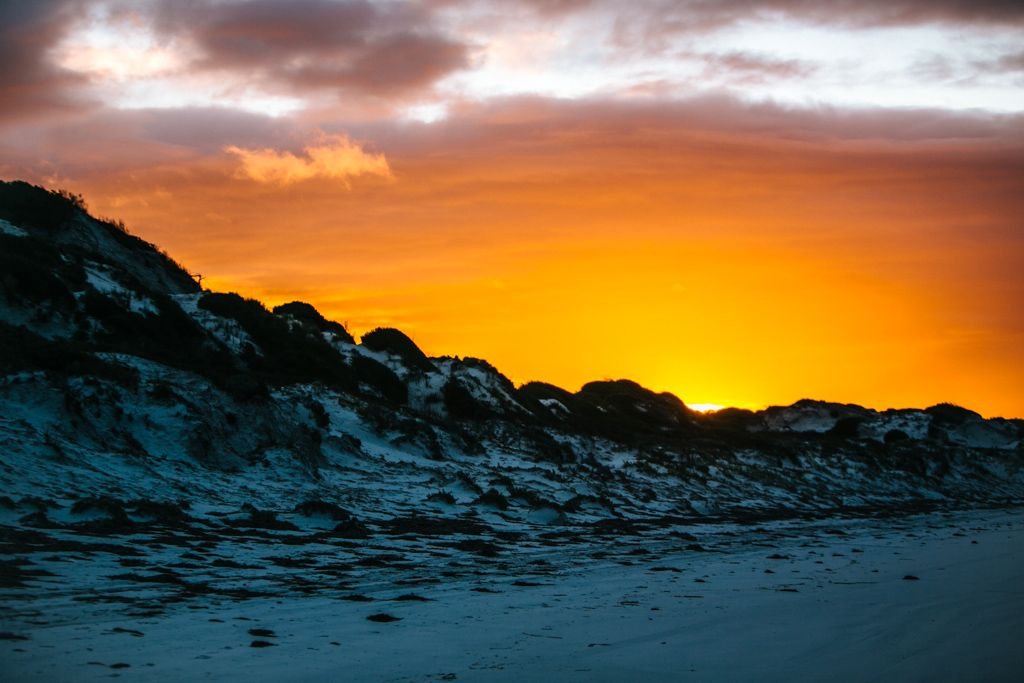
<point x="853" y="618"/>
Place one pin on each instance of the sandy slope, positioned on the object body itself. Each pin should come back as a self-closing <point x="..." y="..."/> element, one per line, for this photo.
<point x="676" y="617"/>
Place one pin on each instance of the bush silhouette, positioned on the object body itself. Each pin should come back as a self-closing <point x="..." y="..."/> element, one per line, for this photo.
<point x="300" y="310"/>
<point x="298" y="355"/>
<point x="390" y="340"/>
<point x="846" y="427"/>
<point x="289" y="356"/>
<point x="33" y="273"/>
<point x="460" y="403"/>
<point x="21" y="349"/>
<point x="895" y="436"/>
<point x="380" y="377"/>
<point x="31" y="206"/>
<point x="951" y="413"/>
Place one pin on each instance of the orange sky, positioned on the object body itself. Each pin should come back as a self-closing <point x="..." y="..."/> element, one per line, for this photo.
<point x="732" y="249"/>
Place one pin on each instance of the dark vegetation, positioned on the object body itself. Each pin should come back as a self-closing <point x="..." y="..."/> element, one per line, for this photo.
<point x="460" y="403"/>
<point x="382" y="618"/>
<point x="30" y="206"/>
<point x="292" y="354"/>
<point x="51" y="215"/>
<point x="40" y="276"/>
<point x="621" y="410"/>
<point x="381" y="378"/>
<point x="21" y="349"/>
<point x="948" y="413"/>
<point x="306" y="313"/>
<point x="33" y="274"/>
<point x="390" y="340"/>
<point x="288" y="354"/>
<point x="442" y="496"/>
<point x="170" y="336"/>
<point x="319" y="508"/>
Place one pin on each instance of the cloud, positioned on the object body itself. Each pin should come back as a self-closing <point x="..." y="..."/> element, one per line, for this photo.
<point x="651" y="26"/>
<point x="751" y="67"/>
<point x="1012" y="62"/>
<point x="335" y="157"/>
<point x="356" y="46"/>
<point x="30" y="83"/>
<point x="496" y="133"/>
<point x="518" y="122"/>
<point x="702" y="15"/>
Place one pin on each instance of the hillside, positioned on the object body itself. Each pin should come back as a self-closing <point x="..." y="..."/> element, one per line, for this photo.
<point x="187" y="446"/>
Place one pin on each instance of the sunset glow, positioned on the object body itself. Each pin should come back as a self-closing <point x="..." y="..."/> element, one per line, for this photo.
<point x="705" y="407"/>
<point x="742" y="203"/>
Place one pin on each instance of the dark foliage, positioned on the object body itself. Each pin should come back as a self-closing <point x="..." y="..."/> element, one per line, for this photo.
<point x="380" y="377"/>
<point x="262" y="519"/>
<point x="299" y="310"/>
<point x="621" y="410"/>
<point x="314" y="507"/>
<point x="320" y="416"/>
<point x="895" y="436"/>
<point x="351" y="528"/>
<point x="628" y="397"/>
<point x="442" y="496"/>
<point x="244" y="387"/>
<point x="730" y="419"/>
<point x="460" y="403"/>
<point x="170" y="336"/>
<point x="47" y="213"/>
<point x="625" y="411"/>
<point x="289" y="356"/>
<point x="390" y="340"/>
<point x="545" y="447"/>
<point x="163" y="393"/>
<point x="168" y="513"/>
<point x="382" y="618"/>
<point x="493" y="498"/>
<point x="846" y="428"/>
<point x="32" y="274"/>
<point x="950" y="414"/>
<point x="101" y="504"/>
<point x="542" y="390"/>
<point x="21" y="349"/>
<point x="30" y="206"/>
<point x="531" y="394"/>
<point x="433" y="526"/>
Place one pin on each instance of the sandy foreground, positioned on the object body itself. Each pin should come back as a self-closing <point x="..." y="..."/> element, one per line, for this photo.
<point x="812" y="603"/>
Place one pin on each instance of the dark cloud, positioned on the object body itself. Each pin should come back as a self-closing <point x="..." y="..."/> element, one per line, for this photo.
<point x="30" y="83"/>
<point x="649" y="25"/>
<point x="394" y="63"/>
<point x="908" y="12"/>
<point x="257" y="31"/>
<point x="110" y="141"/>
<point x="347" y="45"/>
<point x="557" y="7"/>
<point x="208" y="130"/>
<point x="1009" y="62"/>
<point x="699" y="15"/>
<point x="750" y="67"/>
<point x="519" y="119"/>
<point x="959" y="70"/>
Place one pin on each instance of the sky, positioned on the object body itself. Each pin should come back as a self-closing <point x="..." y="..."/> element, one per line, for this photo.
<point x="741" y="202"/>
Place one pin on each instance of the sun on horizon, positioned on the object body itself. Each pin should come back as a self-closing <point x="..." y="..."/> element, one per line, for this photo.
<point x="705" y="407"/>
